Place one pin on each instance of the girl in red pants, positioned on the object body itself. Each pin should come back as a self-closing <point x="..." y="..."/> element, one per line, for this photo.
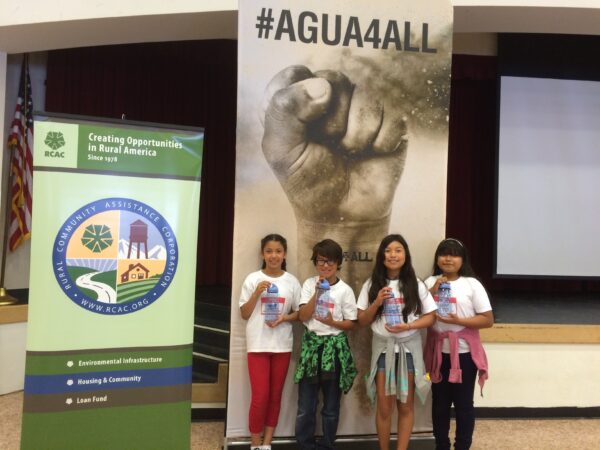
<point x="268" y="336"/>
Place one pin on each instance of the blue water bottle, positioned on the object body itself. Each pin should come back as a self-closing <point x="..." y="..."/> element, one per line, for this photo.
<point x="444" y="300"/>
<point x="272" y="303"/>
<point x="322" y="306"/>
<point x="391" y="310"/>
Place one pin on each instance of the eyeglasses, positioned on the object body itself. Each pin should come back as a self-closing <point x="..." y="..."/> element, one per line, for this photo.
<point x="322" y="262"/>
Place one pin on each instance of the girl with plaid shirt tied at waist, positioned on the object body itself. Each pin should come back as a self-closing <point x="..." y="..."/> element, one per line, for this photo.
<point x="397" y="368"/>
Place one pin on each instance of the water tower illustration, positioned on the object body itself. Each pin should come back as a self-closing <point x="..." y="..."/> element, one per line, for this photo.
<point x="138" y="234"/>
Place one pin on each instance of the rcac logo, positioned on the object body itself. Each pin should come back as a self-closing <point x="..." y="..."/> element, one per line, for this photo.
<point x="54" y="140"/>
<point x="115" y="256"/>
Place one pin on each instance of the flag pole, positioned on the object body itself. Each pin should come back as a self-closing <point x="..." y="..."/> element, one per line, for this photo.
<point x="5" y="298"/>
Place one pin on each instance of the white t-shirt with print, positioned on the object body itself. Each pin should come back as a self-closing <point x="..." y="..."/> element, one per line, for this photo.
<point x="259" y="336"/>
<point x="378" y="325"/>
<point x="471" y="299"/>
<point x="343" y="306"/>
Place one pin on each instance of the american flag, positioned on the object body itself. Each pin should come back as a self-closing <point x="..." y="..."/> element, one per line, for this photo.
<point x="20" y="144"/>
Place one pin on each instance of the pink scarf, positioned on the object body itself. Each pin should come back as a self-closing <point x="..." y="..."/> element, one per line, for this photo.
<point x="433" y="355"/>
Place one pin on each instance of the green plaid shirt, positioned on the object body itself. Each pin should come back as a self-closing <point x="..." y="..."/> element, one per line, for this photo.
<point x="332" y="347"/>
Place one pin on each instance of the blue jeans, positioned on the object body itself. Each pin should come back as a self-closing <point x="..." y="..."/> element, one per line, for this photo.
<point x="306" y="417"/>
<point x="410" y="366"/>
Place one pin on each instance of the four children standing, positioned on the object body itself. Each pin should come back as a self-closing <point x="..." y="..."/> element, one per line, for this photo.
<point x="397" y="306"/>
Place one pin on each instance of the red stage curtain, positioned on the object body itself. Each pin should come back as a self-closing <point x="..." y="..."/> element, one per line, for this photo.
<point x="185" y="83"/>
<point x="471" y="149"/>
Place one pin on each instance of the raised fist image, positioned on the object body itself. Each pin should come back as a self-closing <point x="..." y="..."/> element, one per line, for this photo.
<point x="338" y="150"/>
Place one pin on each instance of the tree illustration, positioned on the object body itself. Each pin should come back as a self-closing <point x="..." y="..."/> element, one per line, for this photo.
<point x="97" y="238"/>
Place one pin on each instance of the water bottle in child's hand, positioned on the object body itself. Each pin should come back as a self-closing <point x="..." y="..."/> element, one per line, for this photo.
<point x="271" y="303"/>
<point x="391" y="310"/>
<point x="322" y="300"/>
<point x="444" y="304"/>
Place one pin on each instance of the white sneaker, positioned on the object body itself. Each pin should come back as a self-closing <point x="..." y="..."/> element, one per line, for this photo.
<point x="265" y="447"/>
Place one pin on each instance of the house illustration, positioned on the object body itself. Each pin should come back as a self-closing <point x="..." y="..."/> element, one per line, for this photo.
<point x="134" y="273"/>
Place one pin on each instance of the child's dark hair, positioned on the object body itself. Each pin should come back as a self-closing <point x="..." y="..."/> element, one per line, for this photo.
<point x="409" y="284"/>
<point x="329" y="249"/>
<point x="454" y="247"/>
<point x="277" y="238"/>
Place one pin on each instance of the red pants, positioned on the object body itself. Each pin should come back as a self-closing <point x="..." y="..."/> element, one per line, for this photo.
<point x="267" y="376"/>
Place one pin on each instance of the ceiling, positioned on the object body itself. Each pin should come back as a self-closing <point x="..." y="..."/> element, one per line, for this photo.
<point x="468" y="18"/>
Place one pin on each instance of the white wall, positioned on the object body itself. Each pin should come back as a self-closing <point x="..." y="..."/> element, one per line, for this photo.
<point x="15" y="13"/>
<point x="4" y="126"/>
<point x="44" y="25"/>
<point x="13" y="335"/>
<point x="69" y="23"/>
<point x="541" y="376"/>
<point x="12" y="357"/>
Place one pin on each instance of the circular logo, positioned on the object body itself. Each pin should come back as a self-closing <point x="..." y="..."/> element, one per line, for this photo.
<point x="115" y="256"/>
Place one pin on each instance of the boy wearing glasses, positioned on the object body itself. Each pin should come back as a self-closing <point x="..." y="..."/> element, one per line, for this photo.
<point x="326" y="363"/>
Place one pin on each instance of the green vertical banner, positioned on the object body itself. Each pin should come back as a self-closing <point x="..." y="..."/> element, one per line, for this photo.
<point x="111" y="298"/>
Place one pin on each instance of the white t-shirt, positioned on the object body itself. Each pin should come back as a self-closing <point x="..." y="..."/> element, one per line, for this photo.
<point x="471" y="299"/>
<point x="343" y="305"/>
<point x="378" y="325"/>
<point x="259" y="336"/>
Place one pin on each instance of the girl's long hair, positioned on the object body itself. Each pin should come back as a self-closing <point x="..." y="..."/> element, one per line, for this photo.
<point x="277" y="238"/>
<point x="408" y="280"/>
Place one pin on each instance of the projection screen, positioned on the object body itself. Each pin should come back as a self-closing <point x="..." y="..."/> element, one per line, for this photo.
<point x="548" y="193"/>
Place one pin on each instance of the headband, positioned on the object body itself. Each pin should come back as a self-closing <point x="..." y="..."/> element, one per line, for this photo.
<point x="454" y="240"/>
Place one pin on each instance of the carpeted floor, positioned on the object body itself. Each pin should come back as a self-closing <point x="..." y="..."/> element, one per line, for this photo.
<point x="578" y="434"/>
